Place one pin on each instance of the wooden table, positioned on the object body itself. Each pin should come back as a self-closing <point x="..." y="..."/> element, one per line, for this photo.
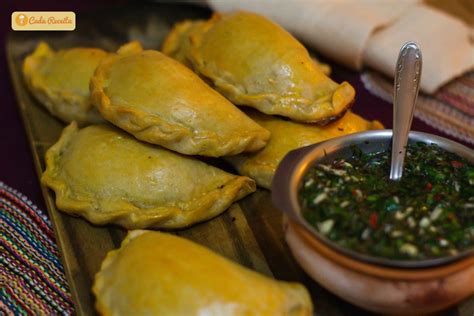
<point x="250" y="232"/>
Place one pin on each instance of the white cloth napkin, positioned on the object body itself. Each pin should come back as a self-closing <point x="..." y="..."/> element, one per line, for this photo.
<point x="371" y="32"/>
<point x="444" y="42"/>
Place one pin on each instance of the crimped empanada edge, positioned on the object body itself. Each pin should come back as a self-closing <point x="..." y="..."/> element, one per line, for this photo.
<point x="152" y="129"/>
<point x="261" y="173"/>
<point x="131" y="216"/>
<point x="342" y="98"/>
<point x="208" y="206"/>
<point x="217" y="201"/>
<point x="172" y="38"/>
<point x="98" y="284"/>
<point x="126" y="117"/>
<point x="53" y="155"/>
<point x="297" y="298"/>
<point x="66" y="107"/>
<point x="30" y="63"/>
<point x="171" y="44"/>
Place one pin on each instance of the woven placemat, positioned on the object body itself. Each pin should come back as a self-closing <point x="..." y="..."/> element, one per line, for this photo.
<point x="450" y="109"/>
<point x="32" y="277"/>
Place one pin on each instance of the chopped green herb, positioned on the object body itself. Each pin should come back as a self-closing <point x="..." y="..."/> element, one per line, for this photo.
<point x="428" y="214"/>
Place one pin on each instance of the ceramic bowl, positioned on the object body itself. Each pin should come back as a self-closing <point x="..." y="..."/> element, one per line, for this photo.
<point x="377" y="284"/>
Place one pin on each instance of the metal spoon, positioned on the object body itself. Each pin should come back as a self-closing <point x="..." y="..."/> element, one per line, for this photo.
<point x="406" y="86"/>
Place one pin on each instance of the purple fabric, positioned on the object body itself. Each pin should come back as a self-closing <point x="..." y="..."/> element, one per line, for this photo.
<point x="372" y="107"/>
<point x="16" y="163"/>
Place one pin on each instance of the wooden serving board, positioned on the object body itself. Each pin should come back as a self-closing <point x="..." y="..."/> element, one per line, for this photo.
<point x="250" y="232"/>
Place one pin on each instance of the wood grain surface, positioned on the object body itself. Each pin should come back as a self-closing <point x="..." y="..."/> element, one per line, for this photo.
<point x="250" y="232"/>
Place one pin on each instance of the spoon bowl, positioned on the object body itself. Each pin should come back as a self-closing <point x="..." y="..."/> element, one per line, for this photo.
<point x="406" y="86"/>
<point x="375" y="283"/>
<point x="294" y="166"/>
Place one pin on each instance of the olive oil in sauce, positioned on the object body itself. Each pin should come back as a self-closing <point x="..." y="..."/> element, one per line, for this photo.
<point x="428" y="214"/>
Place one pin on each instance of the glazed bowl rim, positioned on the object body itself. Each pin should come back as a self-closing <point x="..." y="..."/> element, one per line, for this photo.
<point x="296" y="163"/>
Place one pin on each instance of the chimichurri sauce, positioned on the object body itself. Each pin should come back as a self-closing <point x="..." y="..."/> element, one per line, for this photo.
<point x="428" y="214"/>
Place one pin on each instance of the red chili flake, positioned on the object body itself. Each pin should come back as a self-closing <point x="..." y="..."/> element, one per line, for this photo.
<point x="338" y="164"/>
<point x="457" y="164"/>
<point x="429" y="186"/>
<point x="373" y="220"/>
<point x="452" y="216"/>
<point x="357" y="194"/>
<point x="437" y="197"/>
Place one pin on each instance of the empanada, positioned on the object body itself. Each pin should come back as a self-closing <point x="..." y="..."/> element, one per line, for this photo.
<point x="160" y="101"/>
<point x="256" y="63"/>
<point x="107" y="176"/>
<point x="60" y="81"/>
<point x="156" y="273"/>
<point x="288" y="135"/>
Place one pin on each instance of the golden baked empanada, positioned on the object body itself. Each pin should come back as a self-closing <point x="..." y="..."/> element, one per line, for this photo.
<point x="288" y="135"/>
<point x="160" y="101"/>
<point x="60" y="81"/>
<point x="156" y="273"/>
<point x="107" y="176"/>
<point x="254" y="62"/>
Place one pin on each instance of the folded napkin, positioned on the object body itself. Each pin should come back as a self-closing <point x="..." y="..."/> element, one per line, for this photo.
<point x="444" y="41"/>
<point x="368" y="32"/>
<point x="31" y="274"/>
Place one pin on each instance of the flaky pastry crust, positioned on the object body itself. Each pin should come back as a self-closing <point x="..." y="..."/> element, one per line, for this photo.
<point x="160" y="101"/>
<point x="60" y="81"/>
<point x="254" y="62"/>
<point x="108" y="177"/>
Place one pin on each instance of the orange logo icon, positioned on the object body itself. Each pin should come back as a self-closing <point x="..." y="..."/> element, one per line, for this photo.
<point x="21" y="19"/>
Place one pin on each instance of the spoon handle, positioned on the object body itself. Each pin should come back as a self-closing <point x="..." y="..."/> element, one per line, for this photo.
<point x="406" y="85"/>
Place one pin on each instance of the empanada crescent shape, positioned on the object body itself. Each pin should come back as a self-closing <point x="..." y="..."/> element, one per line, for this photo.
<point x="254" y="62"/>
<point x="162" y="102"/>
<point x="178" y="44"/>
<point x="60" y="81"/>
<point x="107" y="176"/>
<point x="155" y="273"/>
<point x="288" y="135"/>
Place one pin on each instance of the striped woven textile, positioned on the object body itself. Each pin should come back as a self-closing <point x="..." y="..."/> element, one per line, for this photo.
<point x="450" y="109"/>
<point x="31" y="277"/>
